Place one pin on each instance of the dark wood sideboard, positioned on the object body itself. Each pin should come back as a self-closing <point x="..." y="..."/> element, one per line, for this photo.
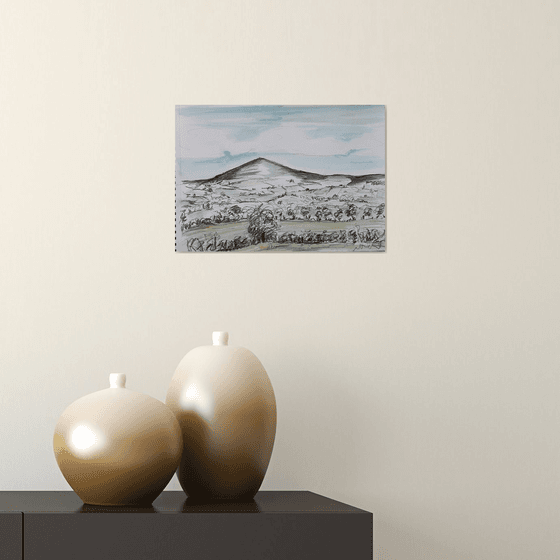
<point x="289" y="525"/>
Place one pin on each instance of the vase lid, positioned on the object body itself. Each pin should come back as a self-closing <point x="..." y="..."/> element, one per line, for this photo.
<point x="117" y="380"/>
<point x="220" y="338"/>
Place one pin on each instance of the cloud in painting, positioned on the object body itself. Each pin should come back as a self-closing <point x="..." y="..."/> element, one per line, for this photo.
<point x="324" y="139"/>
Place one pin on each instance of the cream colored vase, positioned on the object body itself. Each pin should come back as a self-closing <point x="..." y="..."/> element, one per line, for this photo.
<point x="225" y="405"/>
<point x="117" y="447"/>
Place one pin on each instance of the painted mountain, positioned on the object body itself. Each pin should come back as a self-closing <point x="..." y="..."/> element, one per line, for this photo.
<point x="262" y="205"/>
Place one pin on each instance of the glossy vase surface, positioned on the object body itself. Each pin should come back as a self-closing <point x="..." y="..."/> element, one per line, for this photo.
<point x="226" y="408"/>
<point x="117" y="446"/>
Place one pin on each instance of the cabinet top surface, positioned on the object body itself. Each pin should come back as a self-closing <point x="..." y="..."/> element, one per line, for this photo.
<point x="176" y="502"/>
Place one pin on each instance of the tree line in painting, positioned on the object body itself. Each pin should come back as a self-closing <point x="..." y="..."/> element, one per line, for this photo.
<point x="263" y="226"/>
<point x="235" y="213"/>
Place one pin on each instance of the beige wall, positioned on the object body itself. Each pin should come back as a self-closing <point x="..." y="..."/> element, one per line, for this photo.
<point x="421" y="384"/>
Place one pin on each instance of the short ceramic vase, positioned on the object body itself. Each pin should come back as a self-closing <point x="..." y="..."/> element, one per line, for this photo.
<point x="225" y="405"/>
<point x="117" y="447"/>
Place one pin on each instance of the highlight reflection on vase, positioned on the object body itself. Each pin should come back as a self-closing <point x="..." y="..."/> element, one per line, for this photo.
<point x="225" y="405"/>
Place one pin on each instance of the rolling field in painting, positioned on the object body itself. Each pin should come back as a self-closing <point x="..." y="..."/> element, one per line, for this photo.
<point x="264" y="206"/>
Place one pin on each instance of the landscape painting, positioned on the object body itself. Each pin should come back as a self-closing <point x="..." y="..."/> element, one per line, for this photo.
<point x="280" y="178"/>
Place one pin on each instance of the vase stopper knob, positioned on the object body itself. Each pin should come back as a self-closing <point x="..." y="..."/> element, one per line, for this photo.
<point x="220" y="338"/>
<point x="117" y="380"/>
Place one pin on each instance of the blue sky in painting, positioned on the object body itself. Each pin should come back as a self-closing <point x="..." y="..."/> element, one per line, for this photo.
<point x="347" y="139"/>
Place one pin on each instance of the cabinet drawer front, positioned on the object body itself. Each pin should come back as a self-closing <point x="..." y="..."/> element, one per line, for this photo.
<point x="11" y="531"/>
<point x="204" y="536"/>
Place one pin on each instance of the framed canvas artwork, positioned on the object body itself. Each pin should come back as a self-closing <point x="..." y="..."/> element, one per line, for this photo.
<point x="280" y="178"/>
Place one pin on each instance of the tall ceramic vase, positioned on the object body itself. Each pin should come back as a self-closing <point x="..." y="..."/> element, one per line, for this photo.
<point x="117" y="446"/>
<point x="225" y="405"/>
